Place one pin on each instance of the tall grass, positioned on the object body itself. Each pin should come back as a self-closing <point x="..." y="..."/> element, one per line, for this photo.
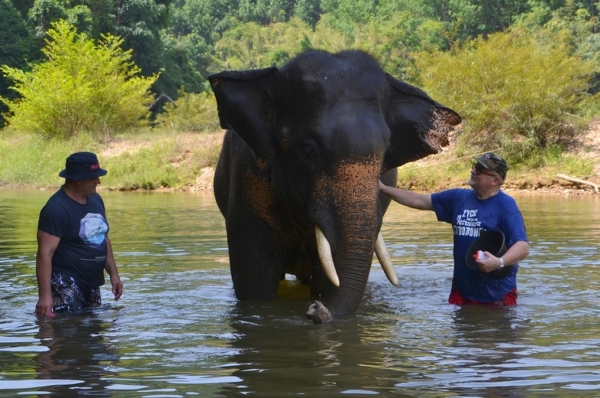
<point x="155" y="158"/>
<point x="166" y="163"/>
<point x="31" y="160"/>
<point x="150" y="160"/>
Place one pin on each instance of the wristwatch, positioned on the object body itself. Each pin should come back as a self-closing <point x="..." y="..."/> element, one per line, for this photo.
<point x="501" y="263"/>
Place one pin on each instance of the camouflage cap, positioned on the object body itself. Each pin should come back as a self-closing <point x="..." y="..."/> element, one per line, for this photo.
<point x="493" y="162"/>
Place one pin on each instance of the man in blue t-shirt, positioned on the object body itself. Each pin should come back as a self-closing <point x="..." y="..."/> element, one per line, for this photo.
<point x="470" y="211"/>
<point x="73" y="244"/>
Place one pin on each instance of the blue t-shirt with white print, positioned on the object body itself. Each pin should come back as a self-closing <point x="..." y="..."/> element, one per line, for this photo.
<point x="469" y="216"/>
<point x="82" y="229"/>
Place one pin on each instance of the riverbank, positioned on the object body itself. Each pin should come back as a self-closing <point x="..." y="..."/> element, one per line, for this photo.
<point x="172" y="161"/>
<point x="585" y="148"/>
<point x="580" y="160"/>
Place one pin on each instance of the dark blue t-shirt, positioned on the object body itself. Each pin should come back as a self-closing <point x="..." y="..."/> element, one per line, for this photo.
<point x="469" y="216"/>
<point x="82" y="229"/>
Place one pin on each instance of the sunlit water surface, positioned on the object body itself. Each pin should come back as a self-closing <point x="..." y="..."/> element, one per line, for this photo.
<point x="178" y="330"/>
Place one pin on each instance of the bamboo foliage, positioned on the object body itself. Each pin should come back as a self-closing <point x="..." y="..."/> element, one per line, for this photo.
<point x="81" y="86"/>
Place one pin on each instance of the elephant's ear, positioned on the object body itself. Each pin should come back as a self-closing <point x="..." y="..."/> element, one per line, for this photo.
<point x="419" y="125"/>
<point x="245" y="106"/>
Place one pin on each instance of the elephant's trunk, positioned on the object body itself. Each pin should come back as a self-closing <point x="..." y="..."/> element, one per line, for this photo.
<point x="350" y="201"/>
<point x="353" y="261"/>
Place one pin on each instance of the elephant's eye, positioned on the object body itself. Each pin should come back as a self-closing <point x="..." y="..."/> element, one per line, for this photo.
<point x="310" y="149"/>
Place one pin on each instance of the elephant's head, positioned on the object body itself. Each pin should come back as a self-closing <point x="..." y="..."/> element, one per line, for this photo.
<point x="317" y="135"/>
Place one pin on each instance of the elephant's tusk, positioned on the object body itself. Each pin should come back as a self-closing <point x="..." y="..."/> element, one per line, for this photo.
<point x="324" y="250"/>
<point x="385" y="261"/>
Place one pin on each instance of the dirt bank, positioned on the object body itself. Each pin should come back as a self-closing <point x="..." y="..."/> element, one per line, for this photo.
<point x="543" y="180"/>
<point x="586" y="147"/>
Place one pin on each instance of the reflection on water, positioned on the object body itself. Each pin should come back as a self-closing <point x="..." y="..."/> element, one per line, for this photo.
<point x="65" y="363"/>
<point x="178" y="330"/>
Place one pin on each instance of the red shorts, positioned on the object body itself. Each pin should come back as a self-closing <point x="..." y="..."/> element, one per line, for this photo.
<point x="459" y="299"/>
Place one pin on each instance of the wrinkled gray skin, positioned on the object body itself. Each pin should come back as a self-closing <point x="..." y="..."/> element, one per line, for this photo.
<point x="305" y="147"/>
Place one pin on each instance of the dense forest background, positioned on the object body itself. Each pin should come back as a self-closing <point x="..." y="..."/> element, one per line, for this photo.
<point x="186" y="40"/>
<point x="525" y="73"/>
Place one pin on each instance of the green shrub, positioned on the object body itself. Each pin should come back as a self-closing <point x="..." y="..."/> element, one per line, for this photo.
<point x="191" y="112"/>
<point x="513" y="92"/>
<point x="80" y="87"/>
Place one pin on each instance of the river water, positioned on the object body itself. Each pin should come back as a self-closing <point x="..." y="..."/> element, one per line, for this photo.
<point x="179" y="332"/>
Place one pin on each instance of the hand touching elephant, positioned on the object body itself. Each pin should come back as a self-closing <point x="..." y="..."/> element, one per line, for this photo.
<point x="297" y="176"/>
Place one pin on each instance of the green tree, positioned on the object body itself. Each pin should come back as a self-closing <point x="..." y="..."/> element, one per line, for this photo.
<point x="348" y="16"/>
<point x="265" y="12"/>
<point x="141" y="24"/>
<point x="16" y="46"/>
<point x="195" y="27"/>
<point x="512" y="91"/>
<point x="16" y="42"/>
<point x="43" y="13"/>
<point x="180" y="71"/>
<point x="579" y="29"/>
<point x="251" y="45"/>
<point x="201" y="54"/>
<point x="102" y="17"/>
<point x="80" y="87"/>
<point x="308" y="10"/>
<point x="205" y="18"/>
<point x="486" y="16"/>
<point x="23" y="6"/>
<point x="191" y="112"/>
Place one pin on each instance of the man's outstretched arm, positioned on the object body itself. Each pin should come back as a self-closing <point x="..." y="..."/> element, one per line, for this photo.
<point x="420" y="201"/>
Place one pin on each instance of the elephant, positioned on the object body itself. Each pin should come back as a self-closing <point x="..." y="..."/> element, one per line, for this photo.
<point x="297" y="176"/>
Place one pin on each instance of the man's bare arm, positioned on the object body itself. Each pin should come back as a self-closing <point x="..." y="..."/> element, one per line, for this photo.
<point x="415" y="200"/>
<point x="47" y="245"/>
<point x="113" y="273"/>
<point x="515" y="253"/>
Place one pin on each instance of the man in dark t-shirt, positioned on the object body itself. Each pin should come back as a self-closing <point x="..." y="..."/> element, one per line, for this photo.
<point x="73" y="244"/>
<point x="485" y="207"/>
